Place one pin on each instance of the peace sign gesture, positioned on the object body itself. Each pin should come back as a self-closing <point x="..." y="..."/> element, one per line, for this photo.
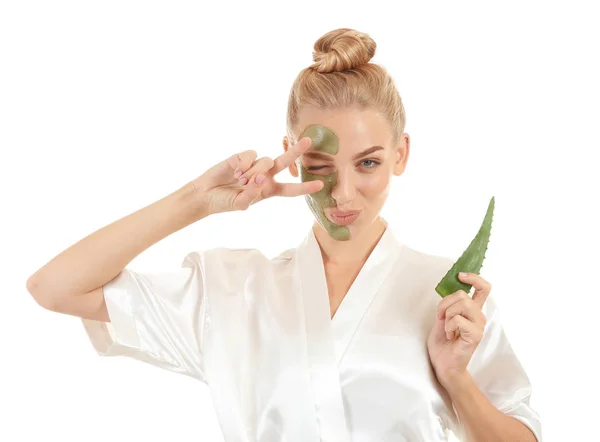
<point x="242" y="180"/>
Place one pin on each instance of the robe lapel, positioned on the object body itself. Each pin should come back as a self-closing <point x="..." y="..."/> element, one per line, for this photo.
<point x="356" y="303"/>
<point x="327" y="339"/>
<point x="320" y="349"/>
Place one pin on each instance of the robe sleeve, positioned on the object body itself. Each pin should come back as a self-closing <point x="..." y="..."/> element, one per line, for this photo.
<point x="155" y="318"/>
<point x="498" y="373"/>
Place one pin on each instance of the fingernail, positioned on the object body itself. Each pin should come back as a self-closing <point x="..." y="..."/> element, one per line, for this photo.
<point x="237" y="174"/>
<point x="259" y="179"/>
<point x="243" y="180"/>
<point x="463" y="274"/>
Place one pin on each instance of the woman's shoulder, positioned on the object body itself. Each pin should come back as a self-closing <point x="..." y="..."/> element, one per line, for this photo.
<point x="432" y="267"/>
<point x="235" y="257"/>
<point x="427" y="261"/>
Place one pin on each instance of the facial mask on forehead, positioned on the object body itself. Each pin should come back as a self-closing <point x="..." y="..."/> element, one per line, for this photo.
<point x="326" y="141"/>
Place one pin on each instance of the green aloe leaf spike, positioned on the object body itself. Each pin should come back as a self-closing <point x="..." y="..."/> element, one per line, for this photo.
<point x="471" y="260"/>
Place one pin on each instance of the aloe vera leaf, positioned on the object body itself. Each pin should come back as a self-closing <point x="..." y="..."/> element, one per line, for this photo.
<point x="471" y="260"/>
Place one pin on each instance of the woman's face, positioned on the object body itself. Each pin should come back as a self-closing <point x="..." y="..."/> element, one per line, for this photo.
<point x="355" y="155"/>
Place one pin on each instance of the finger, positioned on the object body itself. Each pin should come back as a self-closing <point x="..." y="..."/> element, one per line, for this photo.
<point x="288" y="158"/>
<point x="449" y="300"/>
<point x="242" y="161"/>
<point x="249" y="195"/>
<point x="259" y="167"/>
<point x="297" y="189"/>
<point x="463" y="328"/>
<point x="455" y="327"/>
<point x="464" y="308"/>
<point x="482" y="287"/>
<point x="224" y="172"/>
<point x="467" y="309"/>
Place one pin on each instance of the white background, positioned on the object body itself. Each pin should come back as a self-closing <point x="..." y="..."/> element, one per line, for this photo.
<point x="106" y="107"/>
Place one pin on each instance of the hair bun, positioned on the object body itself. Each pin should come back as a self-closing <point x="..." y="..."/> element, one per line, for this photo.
<point x="341" y="50"/>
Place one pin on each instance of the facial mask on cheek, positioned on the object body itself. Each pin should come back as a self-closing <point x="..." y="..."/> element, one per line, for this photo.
<point x="326" y="141"/>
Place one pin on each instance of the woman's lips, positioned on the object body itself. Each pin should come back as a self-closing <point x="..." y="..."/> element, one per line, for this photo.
<point x="344" y="218"/>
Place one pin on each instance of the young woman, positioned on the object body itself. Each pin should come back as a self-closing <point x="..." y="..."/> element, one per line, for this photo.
<point x="342" y="338"/>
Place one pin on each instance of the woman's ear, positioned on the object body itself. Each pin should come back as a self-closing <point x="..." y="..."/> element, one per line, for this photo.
<point x="402" y="153"/>
<point x="293" y="168"/>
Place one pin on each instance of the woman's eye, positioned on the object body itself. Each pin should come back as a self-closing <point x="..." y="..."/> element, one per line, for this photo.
<point x="369" y="164"/>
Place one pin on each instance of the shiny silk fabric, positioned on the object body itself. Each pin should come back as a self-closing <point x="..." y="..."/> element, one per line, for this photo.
<point x="259" y="333"/>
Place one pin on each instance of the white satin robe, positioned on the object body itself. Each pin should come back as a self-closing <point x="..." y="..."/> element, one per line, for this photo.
<point x="259" y="333"/>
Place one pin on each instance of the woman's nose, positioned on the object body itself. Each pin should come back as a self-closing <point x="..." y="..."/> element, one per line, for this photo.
<point x="344" y="190"/>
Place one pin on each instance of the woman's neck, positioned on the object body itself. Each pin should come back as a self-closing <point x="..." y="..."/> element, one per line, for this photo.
<point x="353" y="251"/>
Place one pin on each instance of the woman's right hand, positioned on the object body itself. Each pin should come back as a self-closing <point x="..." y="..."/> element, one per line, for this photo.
<point x="242" y="180"/>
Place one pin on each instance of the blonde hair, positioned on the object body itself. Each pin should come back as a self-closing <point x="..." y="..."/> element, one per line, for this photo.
<point x="342" y="75"/>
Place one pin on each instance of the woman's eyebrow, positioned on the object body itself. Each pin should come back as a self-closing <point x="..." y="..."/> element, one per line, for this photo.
<point x="367" y="152"/>
<point x="323" y="156"/>
<point x="318" y="155"/>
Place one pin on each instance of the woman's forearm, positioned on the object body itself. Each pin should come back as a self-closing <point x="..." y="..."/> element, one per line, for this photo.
<point x="482" y="421"/>
<point x="99" y="257"/>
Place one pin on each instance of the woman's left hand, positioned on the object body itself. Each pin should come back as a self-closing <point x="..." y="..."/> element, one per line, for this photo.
<point x="458" y="330"/>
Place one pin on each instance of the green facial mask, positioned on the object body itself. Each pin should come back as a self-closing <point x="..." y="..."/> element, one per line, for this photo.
<point x="326" y="141"/>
